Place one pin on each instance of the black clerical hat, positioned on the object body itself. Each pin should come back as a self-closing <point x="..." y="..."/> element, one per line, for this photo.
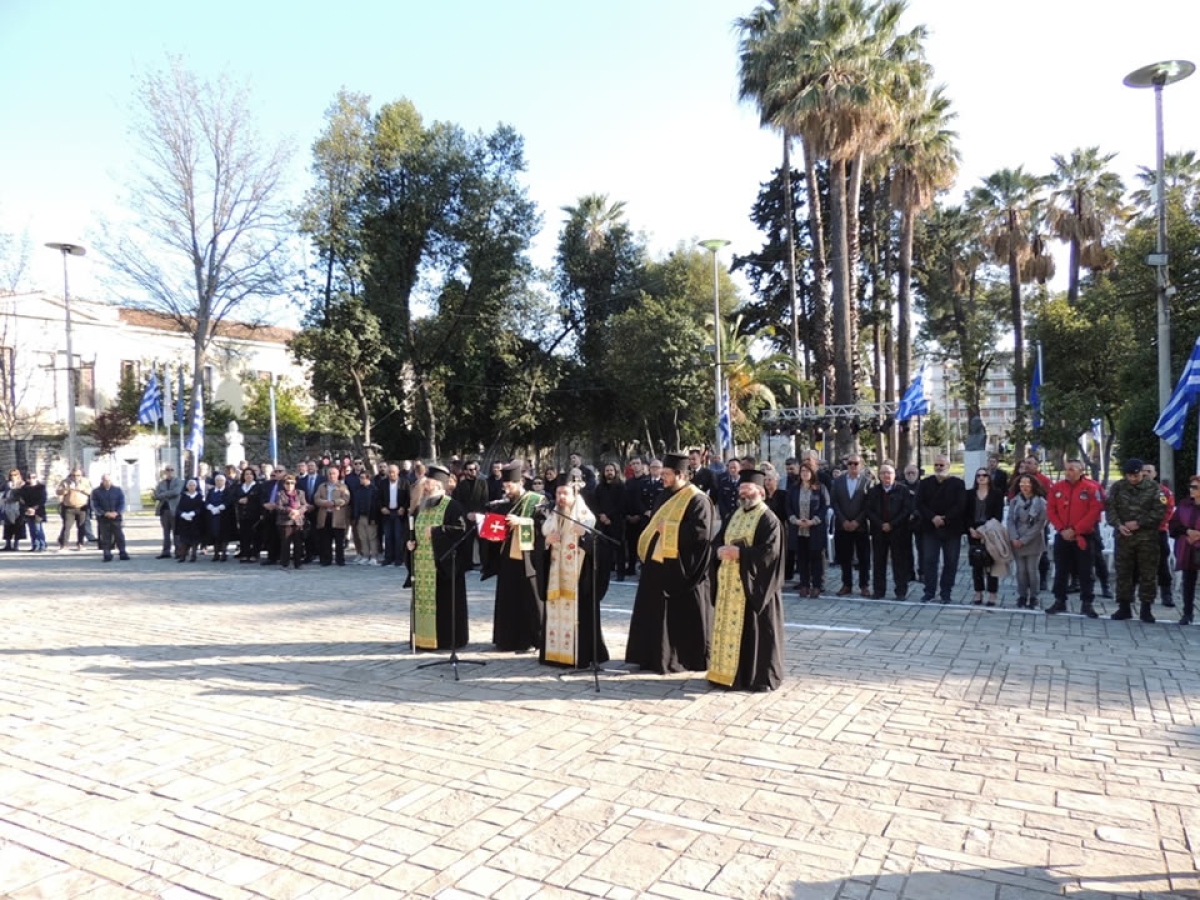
<point x="752" y="476"/>
<point x="677" y="462"/>
<point x="512" y="472"/>
<point x="438" y="474"/>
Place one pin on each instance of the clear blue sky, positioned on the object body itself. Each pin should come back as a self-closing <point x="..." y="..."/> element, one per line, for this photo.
<point x="634" y="99"/>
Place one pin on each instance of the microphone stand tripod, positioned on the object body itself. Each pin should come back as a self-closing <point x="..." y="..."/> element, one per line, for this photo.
<point x="595" y="533"/>
<point x="453" y="661"/>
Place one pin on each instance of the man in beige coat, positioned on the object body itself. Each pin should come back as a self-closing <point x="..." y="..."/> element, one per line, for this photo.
<point x="332" y="499"/>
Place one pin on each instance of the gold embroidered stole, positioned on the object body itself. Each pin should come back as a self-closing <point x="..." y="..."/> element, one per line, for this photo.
<point x="521" y="534"/>
<point x="562" y="594"/>
<point x="731" y="600"/>
<point x="425" y="577"/>
<point x="670" y="513"/>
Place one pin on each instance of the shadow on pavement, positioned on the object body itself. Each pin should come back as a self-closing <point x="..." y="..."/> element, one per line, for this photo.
<point x="1013" y="883"/>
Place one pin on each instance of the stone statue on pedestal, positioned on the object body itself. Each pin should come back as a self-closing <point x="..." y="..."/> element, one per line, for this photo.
<point x="977" y="435"/>
<point x="235" y="446"/>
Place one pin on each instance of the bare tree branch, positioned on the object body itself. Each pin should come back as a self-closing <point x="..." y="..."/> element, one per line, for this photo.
<point x="210" y="226"/>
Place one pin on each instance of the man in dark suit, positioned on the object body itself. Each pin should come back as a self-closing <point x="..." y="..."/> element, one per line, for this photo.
<point x="890" y="510"/>
<point x="941" y="501"/>
<point x="850" y="537"/>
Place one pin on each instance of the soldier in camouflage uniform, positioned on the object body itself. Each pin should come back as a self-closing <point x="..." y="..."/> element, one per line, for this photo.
<point x="1135" y="510"/>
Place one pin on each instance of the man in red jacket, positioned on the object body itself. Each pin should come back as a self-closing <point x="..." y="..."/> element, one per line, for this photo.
<point x="1074" y="506"/>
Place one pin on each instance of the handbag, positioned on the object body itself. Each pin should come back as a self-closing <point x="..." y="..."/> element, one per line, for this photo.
<point x="978" y="556"/>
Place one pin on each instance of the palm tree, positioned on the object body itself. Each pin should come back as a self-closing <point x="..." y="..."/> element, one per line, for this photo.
<point x="1181" y="172"/>
<point x="758" y="61"/>
<point x="837" y="73"/>
<point x="924" y="161"/>
<point x="751" y="377"/>
<point x="1006" y="202"/>
<point x="597" y="217"/>
<point x="1085" y="201"/>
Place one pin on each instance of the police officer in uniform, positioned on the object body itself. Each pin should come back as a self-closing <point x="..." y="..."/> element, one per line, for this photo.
<point x="1135" y="510"/>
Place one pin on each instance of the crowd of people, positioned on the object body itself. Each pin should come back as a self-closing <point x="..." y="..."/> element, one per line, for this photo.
<point x="712" y="567"/>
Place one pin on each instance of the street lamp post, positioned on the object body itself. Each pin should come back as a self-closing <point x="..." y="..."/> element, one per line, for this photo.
<point x="1157" y="76"/>
<point x="714" y="246"/>
<point x="69" y="250"/>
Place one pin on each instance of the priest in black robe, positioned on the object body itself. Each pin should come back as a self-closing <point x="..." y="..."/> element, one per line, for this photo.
<point x="441" y="555"/>
<point x="672" y="612"/>
<point x="519" y="563"/>
<point x="747" y="641"/>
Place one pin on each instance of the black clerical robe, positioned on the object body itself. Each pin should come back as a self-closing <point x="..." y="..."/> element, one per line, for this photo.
<point x="672" y="612"/>
<point x="517" y="619"/>
<point x="747" y="642"/>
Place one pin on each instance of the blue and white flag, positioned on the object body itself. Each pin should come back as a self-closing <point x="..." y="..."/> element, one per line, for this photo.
<point x="1035" y="393"/>
<point x="196" y="440"/>
<point x="151" y="408"/>
<point x="179" y="400"/>
<point x="1169" y="426"/>
<point x="725" y="424"/>
<point x="914" y="402"/>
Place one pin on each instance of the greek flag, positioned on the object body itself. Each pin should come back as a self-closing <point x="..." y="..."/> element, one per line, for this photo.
<point x="1169" y="426"/>
<point x="725" y="425"/>
<point x="179" y="399"/>
<point x="914" y="402"/>
<point x="151" y="408"/>
<point x="196" y="441"/>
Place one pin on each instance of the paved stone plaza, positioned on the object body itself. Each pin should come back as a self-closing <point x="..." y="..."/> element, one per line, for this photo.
<point x="231" y="731"/>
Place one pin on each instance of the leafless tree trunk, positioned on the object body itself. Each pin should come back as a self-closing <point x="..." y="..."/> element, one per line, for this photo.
<point x="209" y="225"/>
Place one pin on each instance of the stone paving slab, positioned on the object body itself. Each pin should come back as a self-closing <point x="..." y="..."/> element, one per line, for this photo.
<point x="230" y="731"/>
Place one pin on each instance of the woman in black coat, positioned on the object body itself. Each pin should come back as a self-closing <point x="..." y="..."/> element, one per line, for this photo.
<point x="982" y="503"/>
<point x="33" y="505"/>
<point x="246" y="500"/>
<point x="189" y="521"/>
<point x="219" y="524"/>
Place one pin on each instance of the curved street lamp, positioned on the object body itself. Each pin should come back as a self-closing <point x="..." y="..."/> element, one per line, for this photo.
<point x="69" y="250"/>
<point x="714" y="246"/>
<point x="1158" y="75"/>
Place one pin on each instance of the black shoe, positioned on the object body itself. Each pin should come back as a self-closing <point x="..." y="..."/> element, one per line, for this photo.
<point x="1168" y="602"/>
<point x="1146" y="615"/>
<point x="163" y="556"/>
<point x="1105" y="592"/>
<point x="407" y="582"/>
<point x="620" y="578"/>
<point x="108" y="559"/>
<point x="183" y="559"/>
<point x="1020" y="603"/>
<point x="1058" y="607"/>
<point x="1185" y="619"/>
<point x="124" y="557"/>
<point x="216" y="557"/>
<point x="1088" y="611"/>
<point x="1124" y="611"/>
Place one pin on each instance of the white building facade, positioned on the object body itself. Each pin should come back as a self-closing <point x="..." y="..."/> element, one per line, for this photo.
<point x="108" y="343"/>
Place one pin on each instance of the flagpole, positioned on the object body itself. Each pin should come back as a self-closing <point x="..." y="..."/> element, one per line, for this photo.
<point x="167" y="407"/>
<point x="274" y="432"/>
<point x="1041" y="378"/>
